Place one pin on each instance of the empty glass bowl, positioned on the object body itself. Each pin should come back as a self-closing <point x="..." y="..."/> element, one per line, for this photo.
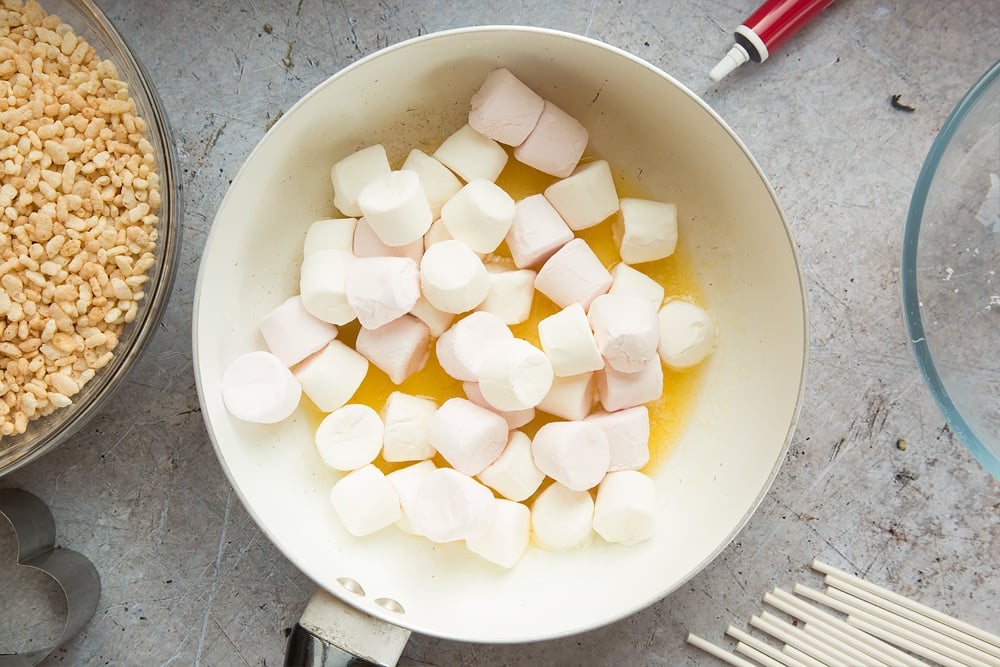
<point x="951" y="270"/>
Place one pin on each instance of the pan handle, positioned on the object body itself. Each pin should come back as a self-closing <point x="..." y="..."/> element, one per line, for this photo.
<point x="331" y="633"/>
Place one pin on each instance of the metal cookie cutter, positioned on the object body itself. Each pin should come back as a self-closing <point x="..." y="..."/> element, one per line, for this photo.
<point x="35" y="534"/>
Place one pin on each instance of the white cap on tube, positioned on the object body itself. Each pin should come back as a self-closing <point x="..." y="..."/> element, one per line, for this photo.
<point x="736" y="57"/>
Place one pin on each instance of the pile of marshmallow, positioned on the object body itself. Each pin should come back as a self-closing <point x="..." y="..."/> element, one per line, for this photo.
<point x="413" y="262"/>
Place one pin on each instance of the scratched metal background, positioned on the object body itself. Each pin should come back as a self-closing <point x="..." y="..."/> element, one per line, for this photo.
<point x="188" y="578"/>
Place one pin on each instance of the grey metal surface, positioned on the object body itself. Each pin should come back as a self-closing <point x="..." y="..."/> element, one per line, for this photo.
<point x="188" y="578"/>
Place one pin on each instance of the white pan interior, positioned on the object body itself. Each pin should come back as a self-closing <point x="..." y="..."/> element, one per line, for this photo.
<point x="658" y="134"/>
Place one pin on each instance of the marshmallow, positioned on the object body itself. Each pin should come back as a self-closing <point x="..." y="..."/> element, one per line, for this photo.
<point x="366" y="243"/>
<point x="365" y="501"/>
<point x="437" y="233"/>
<point x="436" y="320"/>
<point x="511" y="294"/>
<point x="330" y="377"/>
<point x="349" y="437"/>
<point x="625" y="509"/>
<point x="645" y="230"/>
<point x="322" y="279"/>
<point x="450" y="506"/>
<point x="381" y="289"/>
<point x="556" y="144"/>
<point x="506" y="535"/>
<point x="562" y="519"/>
<point x="687" y="334"/>
<point x="258" y="387"/>
<point x="536" y="232"/>
<point x="460" y="349"/>
<point x="626" y="330"/>
<point x="633" y="282"/>
<point x="573" y="274"/>
<point x="569" y="342"/>
<point x="514" y="375"/>
<point x="627" y="432"/>
<point x="467" y="436"/>
<point x="574" y="453"/>
<point x="332" y="234"/>
<point x="292" y="334"/>
<point x="571" y="397"/>
<point x="618" y="390"/>
<point x="504" y="109"/>
<point x="471" y="155"/>
<point x="514" y="418"/>
<point x="406" y="482"/>
<point x="438" y="182"/>
<point x="399" y="349"/>
<point x="514" y="475"/>
<point x="479" y="215"/>
<point x="351" y="174"/>
<point x="405" y="418"/>
<point x="396" y="207"/>
<point x="586" y="197"/>
<point x="452" y="277"/>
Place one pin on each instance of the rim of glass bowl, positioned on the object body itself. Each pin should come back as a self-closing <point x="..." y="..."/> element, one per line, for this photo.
<point x="911" y="299"/>
<point x="47" y="433"/>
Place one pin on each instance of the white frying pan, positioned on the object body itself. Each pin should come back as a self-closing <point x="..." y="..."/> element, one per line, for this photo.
<point x="656" y="133"/>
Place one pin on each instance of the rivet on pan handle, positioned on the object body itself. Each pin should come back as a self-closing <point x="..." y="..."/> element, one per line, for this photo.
<point x="35" y="533"/>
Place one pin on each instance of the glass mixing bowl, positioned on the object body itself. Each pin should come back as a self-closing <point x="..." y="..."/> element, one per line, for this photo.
<point x="951" y="270"/>
<point x="44" y="434"/>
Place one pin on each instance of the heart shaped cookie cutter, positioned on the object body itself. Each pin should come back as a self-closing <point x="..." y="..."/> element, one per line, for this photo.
<point x="35" y="534"/>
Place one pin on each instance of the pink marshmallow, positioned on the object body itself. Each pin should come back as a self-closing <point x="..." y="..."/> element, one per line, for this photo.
<point x="461" y="348"/>
<point x="575" y="454"/>
<point x="573" y="274"/>
<point x="367" y="244"/>
<point x="292" y="333"/>
<point x="627" y="432"/>
<point x="399" y="348"/>
<point x="467" y="436"/>
<point x="556" y="144"/>
<point x="537" y="232"/>
<point x="381" y="289"/>
<point x="504" y="109"/>
<point x="618" y="390"/>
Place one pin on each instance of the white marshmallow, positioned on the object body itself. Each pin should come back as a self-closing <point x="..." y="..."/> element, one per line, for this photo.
<point x="437" y="233"/>
<point x="460" y="349"/>
<point x="573" y="274"/>
<point x="626" y="330"/>
<point x="349" y="437"/>
<point x="618" y="390"/>
<point x="405" y="418"/>
<point x="536" y="232"/>
<point x="332" y="234"/>
<point x="471" y="155"/>
<point x="452" y="277"/>
<point x="687" y="334"/>
<point x="406" y="481"/>
<point x="645" y="230"/>
<point x="514" y="475"/>
<point x="351" y="174"/>
<point x="571" y="397"/>
<point x="625" y="509"/>
<point x="634" y="282"/>
<point x="436" y="320"/>
<point x="479" y="215"/>
<point x="292" y="333"/>
<point x="586" y="197"/>
<point x="514" y="375"/>
<point x="556" y="144"/>
<point x="450" y="506"/>
<point x="467" y="436"/>
<point x="331" y="376"/>
<point x="399" y="349"/>
<point x="574" y="453"/>
<point x="506" y="535"/>
<point x="569" y="342"/>
<point x="381" y="289"/>
<point x="438" y="182"/>
<point x="396" y="207"/>
<point x="365" y="501"/>
<point x="627" y="432"/>
<point x="514" y="418"/>
<point x="511" y="294"/>
<point x="366" y="243"/>
<point x="562" y="519"/>
<point x="504" y="109"/>
<point x="258" y="387"/>
<point x="322" y="285"/>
